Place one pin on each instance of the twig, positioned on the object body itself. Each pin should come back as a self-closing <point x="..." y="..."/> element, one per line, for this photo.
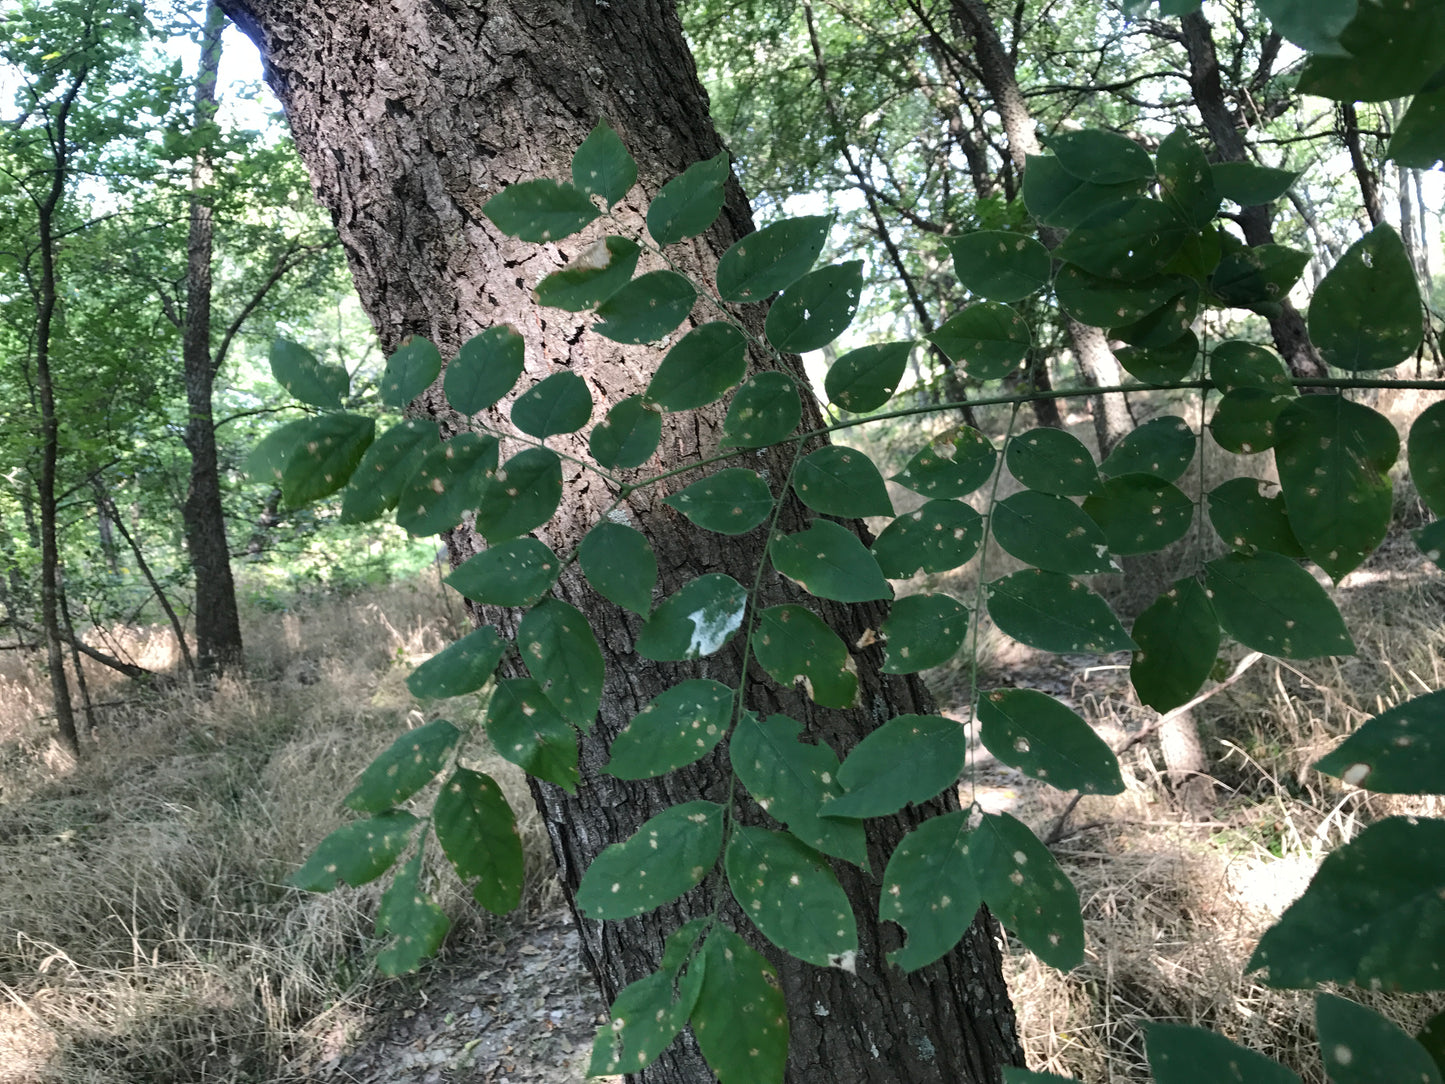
<point x="1056" y="833"/>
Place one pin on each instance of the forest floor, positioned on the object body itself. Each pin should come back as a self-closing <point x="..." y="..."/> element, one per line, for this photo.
<point x="147" y="938"/>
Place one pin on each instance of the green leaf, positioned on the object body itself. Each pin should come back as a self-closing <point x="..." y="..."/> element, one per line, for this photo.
<point x="1011" y="1073"/>
<point x="628" y="436"/>
<point x="1052" y="612"/>
<point x="1313" y="25"/>
<point x="1178" y="638"/>
<point x="796" y="647"/>
<point x="940" y="536"/>
<point x="952" y="464"/>
<point x="829" y="561"/>
<point x="1427" y="456"/>
<point x="1373" y="914"/>
<point x="1046" y="740"/>
<point x="1399" y="751"/>
<point x="1238" y="364"/>
<point x="515" y="573"/>
<point x="1165" y="325"/>
<point x="1245" y="419"/>
<point x="1056" y="197"/>
<point x="1334" y="458"/>
<point x="1390" y="49"/>
<point x="647" y="309"/>
<point x="1362" y="1047"/>
<point x="527" y="729"/>
<point x="1051" y="533"/>
<point x="407" y="765"/>
<point x="1366" y="313"/>
<point x="1267" y="602"/>
<point x="413" y="920"/>
<point x="792" y="896"/>
<point x="816" y="309"/>
<point x="597" y="273"/>
<point x="306" y="379"/>
<point x="384" y="470"/>
<point x="1188" y="1055"/>
<point x="619" y="564"/>
<point x="841" y="481"/>
<point x="410" y="371"/>
<point x="1248" y="184"/>
<point x="922" y="631"/>
<point x="695" y="621"/>
<point x="1026" y="889"/>
<point x="447" y="484"/>
<point x="266" y="462"/>
<point x="1163" y="447"/>
<point x="1432" y="1038"/>
<point x="930" y="890"/>
<point x="764" y="411"/>
<point x="558" y="647"/>
<point x="1430" y="540"/>
<point x="326" y="456"/>
<point x="667" y="856"/>
<point x="557" y="404"/>
<point x="485" y="369"/>
<point x="741" y="1018"/>
<point x="1130" y="241"/>
<point x="1247" y="518"/>
<point x="791" y="780"/>
<point x="1052" y="461"/>
<point x="772" y="259"/>
<point x="459" y="668"/>
<point x="1161" y="364"/>
<point x="1186" y="181"/>
<point x="646" y="1018"/>
<point x="602" y="166"/>
<point x="1140" y="513"/>
<point x="1106" y="302"/>
<point x="678" y="727"/>
<point x="521" y="495"/>
<point x="864" y="379"/>
<point x="733" y="501"/>
<point x="356" y="853"/>
<point x="688" y="204"/>
<point x="539" y="211"/>
<point x="906" y="761"/>
<point x="1258" y="275"/>
<point x="478" y="833"/>
<point x="1417" y="142"/>
<point x="705" y="363"/>
<point x="1101" y="157"/>
<point x="988" y="339"/>
<point x="1000" y="266"/>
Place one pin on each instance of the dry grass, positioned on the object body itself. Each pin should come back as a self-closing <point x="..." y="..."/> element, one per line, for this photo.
<point x="145" y="934"/>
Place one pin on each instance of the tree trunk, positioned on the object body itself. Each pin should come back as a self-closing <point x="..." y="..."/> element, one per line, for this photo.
<point x="218" y="623"/>
<point x="1098" y="368"/>
<point x="411" y="115"/>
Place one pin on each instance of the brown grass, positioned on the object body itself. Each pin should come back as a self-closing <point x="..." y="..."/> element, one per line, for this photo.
<point x="147" y="935"/>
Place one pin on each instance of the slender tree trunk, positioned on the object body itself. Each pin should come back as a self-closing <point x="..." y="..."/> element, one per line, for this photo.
<point x="47" y="300"/>
<point x="218" y="623"/>
<point x="1291" y="338"/>
<point x="410" y="115"/>
<point x="1097" y="365"/>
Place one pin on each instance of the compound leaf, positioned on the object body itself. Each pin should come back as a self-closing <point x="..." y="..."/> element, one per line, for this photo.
<point x="695" y="621"/>
<point x="670" y="854"/>
<point x="478" y="833"/>
<point x="1052" y="612"/>
<point x="527" y="729"/>
<point x="678" y="727"/>
<point x="829" y="561"/>
<point x="619" y="563"/>
<point x="1042" y="738"/>
<point x="908" y="760"/>
<point x="407" y="765"/>
<point x="459" y="668"/>
<point x="1269" y="603"/>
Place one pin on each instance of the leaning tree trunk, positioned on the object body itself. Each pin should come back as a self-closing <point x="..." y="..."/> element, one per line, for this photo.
<point x="218" y="622"/>
<point x="410" y="115"/>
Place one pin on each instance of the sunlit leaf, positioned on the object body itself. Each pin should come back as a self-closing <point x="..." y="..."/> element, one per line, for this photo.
<point x="695" y="621"/>
<point x="540" y="210"/>
<point x="485" y="369"/>
<point x="829" y="561"/>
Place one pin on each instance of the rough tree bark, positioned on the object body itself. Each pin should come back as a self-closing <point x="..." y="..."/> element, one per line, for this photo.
<point x="410" y="114"/>
<point x="218" y="622"/>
